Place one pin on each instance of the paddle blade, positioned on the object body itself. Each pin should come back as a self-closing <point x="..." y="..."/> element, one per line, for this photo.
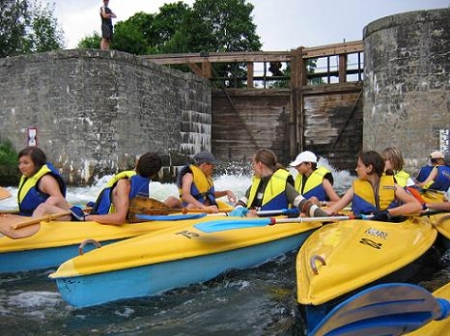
<point x="232" y="224"/>
<point x="7" y="223"/>
<point x="145" y="206"/>
<point x="4" y="193"/>
<point x="388" y="309"/>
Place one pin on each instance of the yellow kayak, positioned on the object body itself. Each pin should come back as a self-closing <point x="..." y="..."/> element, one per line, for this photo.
<point x="48" y="244"/>
<point x="441" y="222"/>
<point x="171" y="258"/>
<point x="345" y="256"/>
<point x="433" y="196"/>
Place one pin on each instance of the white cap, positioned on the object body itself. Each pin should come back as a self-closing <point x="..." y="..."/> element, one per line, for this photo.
<point x="305" y="156"/>
<point x="436" y="155"/>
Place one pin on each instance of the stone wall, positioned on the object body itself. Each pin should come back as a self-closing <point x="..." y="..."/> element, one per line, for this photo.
<point x="96" y="111"/>
<point x="406" y="83"/>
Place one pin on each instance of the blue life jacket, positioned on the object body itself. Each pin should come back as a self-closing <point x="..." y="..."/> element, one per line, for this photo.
<point x="424" y="173"/>
<point x="442" y="180"/>
<point x="29" y="196"/>
<point x="139" y="187"/>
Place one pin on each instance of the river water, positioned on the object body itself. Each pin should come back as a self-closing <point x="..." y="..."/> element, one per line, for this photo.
<point x="257" y="301"/>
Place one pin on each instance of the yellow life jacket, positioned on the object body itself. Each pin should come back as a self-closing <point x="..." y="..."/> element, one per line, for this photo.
<point x="364" y="199"/>
<point x="274" y="195"/>
<point x="313" y="185"/>
<point x="202" y="187"/>
<point x="402" y="178"/>
<point x="113" y="181"/>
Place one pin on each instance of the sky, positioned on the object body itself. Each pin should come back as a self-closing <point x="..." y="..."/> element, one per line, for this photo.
<point x="282" y="25"/>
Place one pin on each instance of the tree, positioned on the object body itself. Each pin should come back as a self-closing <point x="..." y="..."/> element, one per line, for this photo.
<point x="134" y="35"/>
<point x="28" y="27"/>
<point x="221" y="26"/>
<point x="209" y="26"/>
<point x="44" y="35"/>
<point x="90" y="42"/>
<point x="145" y="33"/>
<point x="14" y="19"/>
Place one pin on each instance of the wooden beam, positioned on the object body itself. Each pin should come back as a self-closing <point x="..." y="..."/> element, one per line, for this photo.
<point x="295" y="115"/>
<point x="256" y="56"/>
<point x="195" y="68"/>
<point x="230" y="57"/>
<point x="250" y="69"/>
<point x="342" y="68"/>
<point x="206" y="70"/>
<point x="334" y="49"/>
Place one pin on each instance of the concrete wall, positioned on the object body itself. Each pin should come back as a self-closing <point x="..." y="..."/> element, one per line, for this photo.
<point x="406" y="83"/>
<point x="96" y="111"/>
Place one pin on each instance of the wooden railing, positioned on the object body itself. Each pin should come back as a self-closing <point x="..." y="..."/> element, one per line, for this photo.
<point x="335" y="63"/>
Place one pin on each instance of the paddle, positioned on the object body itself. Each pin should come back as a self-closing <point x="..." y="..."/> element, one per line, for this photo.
<point x="387" y="309"/>
<point x="4" y="193"/>
<point x="20" y="226"/>
<point x="12" y="211"/>
<point x="148" y="206"/>
<point x="170" y="217"/>
<point x="242" y="223"/>
<point x="293" y="211"/>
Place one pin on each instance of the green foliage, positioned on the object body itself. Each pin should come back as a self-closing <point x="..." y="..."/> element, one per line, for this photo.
<point x="221" y="26"/>
<point x="8" y="156"/>
<point x="45" y="35"/>
<point x="131" y="35"/>
<point x="28" y="27"/>
<point x="90" y="42"/>
<point x="13" y="23"/>
<point x="209" y="26"/>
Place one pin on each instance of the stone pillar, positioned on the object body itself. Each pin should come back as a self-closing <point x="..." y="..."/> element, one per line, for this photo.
<point x="406" y="83"/>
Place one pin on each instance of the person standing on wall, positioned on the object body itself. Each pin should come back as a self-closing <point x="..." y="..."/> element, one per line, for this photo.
<point x="106" y="15"/>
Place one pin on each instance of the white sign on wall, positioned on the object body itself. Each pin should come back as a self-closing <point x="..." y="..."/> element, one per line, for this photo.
<point x="32" y="136"/>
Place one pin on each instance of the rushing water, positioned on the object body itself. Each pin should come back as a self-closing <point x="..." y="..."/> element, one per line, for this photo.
<point x="257" y="301"/>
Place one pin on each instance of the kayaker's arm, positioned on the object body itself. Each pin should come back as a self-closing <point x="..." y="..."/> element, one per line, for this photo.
<point x="430" y="179"/>
<point x="231" y="196"/>
<point x="341" y="204"/>
<point x="445" y="206"/>
<point x="409" y="205"/>
<point x="187" y="197"/>
<point x="56" y="203"/>
<point x="121" y="202"/>
<point x="304" y="206"/>
<point x="331" y="193"/>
